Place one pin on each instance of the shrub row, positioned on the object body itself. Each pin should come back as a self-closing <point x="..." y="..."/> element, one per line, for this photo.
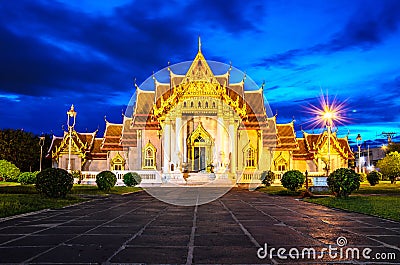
<point x="342" y="182"/>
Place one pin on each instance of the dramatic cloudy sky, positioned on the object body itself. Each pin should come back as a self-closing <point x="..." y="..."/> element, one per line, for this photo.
<point x="55" y="53"/>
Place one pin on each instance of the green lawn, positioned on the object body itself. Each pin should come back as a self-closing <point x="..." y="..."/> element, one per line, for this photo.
<point x="384" y="187"/>
<point x="17" y="199"/>
<point x="12" y="204"/>
<point x="93" y="190"/>
<point x="381" y="200"/>
<point x="384" y="206"/>
<point x="281" y="191"/>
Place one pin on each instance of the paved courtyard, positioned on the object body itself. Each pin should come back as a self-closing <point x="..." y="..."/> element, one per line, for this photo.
<point x="138" y="228"/>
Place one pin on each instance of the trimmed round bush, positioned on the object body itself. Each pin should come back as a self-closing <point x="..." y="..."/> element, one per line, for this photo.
<point x="343" y="181"/>
<point x="292" y="180"/>
<point x="27" y="177"/>
<point x="8" y="171"/>
<point x="363" y="177"/>
<point x="105" y="180"/>
<point x="267" y="177"/>
<point x="373" y="177"/>
<point x="132" y="179"/>
<point x="54" y="182"/>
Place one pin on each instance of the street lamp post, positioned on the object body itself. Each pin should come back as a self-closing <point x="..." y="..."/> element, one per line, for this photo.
<point x="41" y="143"/>
<point x="328" y="117"/>
<point x="359" y="152"/>
<point x="70" y="114"/>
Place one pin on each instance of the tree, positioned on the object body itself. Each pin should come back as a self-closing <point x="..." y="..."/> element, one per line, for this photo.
<point x="389" y="166"/>
<point x="343" y="181"/>
<point x="8" y="171"/>
<point x="132" y="179"/>
<point x="293" y="180"/>
<point x="22" y="149"/>
<point x="105" y="180"/>
<point x="373" y="177"/>
<point x="54" y="182"/>
<point x="393" y="147"/>
<point x="267" y="177"/>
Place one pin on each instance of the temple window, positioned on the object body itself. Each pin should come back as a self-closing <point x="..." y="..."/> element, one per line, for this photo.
<point x="149" y="158"/>
<point x="206" y="104"/>
<point x="251" y="158"/>
<point x="213" y="105"/>
<point x="199" y="105"/>
<point x="281" y="164"/>
<point x="118" y="162"/>
<point x="191" y="104"/>
<point x="184" y="104"/>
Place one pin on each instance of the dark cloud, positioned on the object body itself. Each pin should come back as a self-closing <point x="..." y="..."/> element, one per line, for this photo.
<point x="370" y="24"/>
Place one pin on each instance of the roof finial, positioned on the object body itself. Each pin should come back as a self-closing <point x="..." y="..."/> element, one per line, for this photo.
<point x="199" y="44"/>
<point x="134" y="83"/>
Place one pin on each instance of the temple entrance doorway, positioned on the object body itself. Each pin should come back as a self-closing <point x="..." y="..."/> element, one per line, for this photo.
<point x="200" y="145"/>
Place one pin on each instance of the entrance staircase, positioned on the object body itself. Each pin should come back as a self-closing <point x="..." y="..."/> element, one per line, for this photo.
<point x="199" y="178"/>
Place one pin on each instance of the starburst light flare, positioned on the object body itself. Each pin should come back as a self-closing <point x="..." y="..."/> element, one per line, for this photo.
<point x="327" y="114"/>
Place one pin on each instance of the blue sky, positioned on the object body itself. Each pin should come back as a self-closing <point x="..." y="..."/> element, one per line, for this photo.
<point x="55" y="53"/>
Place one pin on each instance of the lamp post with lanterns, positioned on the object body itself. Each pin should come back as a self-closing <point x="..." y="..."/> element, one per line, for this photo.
<point x="358" y="139"/>
<point x="327" y="115"/>
<point x="41" y="143"/>
<point x="71" y="116"/>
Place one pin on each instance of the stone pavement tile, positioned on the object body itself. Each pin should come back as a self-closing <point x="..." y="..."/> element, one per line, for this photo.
<point x="208" y="223"/>
<point x="19" y="230"/>
<point x="307" y="223"/>
<point x="6" y="238"/>
<point x="255" y="217"/>
<point x="41" y="222"/>
<point x="247" y="223"/>
<point x="81" y="222"/>
<point x="40" y="240"/>
<point x="389" y="239"/>
<point x="372" y="231"/>
<point x="213" y="217"/>
<point x="227" y="255"/>
<point x="110" y="230"/>
<point x="345" y="223"/>
<point x="381" y="222"/>
<point x="161" y="240"/>
<point x="149" y="255"/>
<point x="76" y="253"/>
<point x="280" y="236"/>
<point x="101" y="240"/>
<point x="239" y="240"/>
<point x="65" y="230"/>
<point x="329" y="236"/>
<point x="219" y="229"/>
<point x="174" y="220"/>
<point x="20" y="254"/>
<point x="158" y="229"/>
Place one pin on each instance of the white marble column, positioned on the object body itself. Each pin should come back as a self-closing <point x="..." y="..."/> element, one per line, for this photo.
<point x="232" y="146"/>
<point x="178" y="141"/>
<point x="167" y="145"/>
<point x="139" y="149"/>
<point x="184" y="138"/>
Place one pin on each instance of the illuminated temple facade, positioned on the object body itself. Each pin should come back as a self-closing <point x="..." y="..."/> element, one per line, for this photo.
<point x="198" y="124"/>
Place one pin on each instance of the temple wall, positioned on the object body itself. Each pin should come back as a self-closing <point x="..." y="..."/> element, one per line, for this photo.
<point x="302" y="166"/>
<point x="97" y="165"/>
<point x="75" y="162"/>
